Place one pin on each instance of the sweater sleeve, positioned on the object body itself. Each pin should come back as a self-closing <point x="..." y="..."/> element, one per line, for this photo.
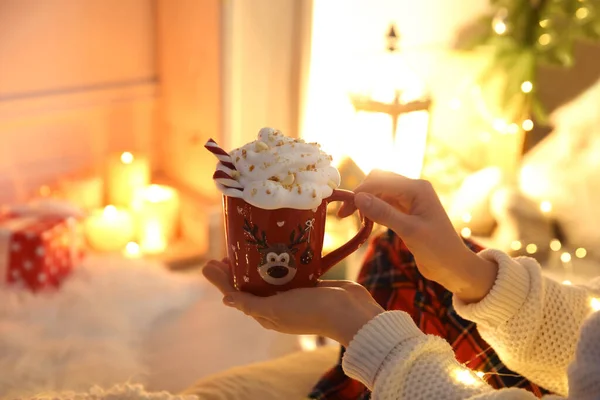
<point x="392" y="357"/>
<point x="532" y="322"/>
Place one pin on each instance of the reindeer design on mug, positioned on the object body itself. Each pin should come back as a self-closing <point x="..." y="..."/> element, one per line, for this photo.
<point x="278" y="261"/>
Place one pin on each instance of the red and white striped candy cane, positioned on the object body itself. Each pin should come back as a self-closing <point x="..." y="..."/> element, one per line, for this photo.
<point x="221" y="154"/>
<point x="226" y="180"/>
<point x="222" y="177"/>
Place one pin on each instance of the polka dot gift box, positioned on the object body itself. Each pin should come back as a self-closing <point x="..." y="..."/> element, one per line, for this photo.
<point x="37" y="251"/>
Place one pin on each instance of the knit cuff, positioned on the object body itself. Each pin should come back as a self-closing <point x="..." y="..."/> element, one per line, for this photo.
<point x="506" y="297"/>
<point x="374" y="342"/>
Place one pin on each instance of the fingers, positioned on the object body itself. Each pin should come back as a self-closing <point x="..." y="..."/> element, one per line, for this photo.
<point x="217" y="273"/>
<point x="381" y="182"/>
<point x="383" y="213"/>
<point x="386" y="185"/>
<point x="346" y="209"/>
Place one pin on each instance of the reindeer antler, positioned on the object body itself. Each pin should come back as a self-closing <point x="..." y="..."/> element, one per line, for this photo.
<point x="295" y="241"/>
<point x="252" y="231"/>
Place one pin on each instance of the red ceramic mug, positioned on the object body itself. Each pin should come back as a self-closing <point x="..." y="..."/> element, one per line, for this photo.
<point x="272" y="251"/>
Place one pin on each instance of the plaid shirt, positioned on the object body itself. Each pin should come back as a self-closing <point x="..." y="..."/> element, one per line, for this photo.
<point x="392" y="278"/>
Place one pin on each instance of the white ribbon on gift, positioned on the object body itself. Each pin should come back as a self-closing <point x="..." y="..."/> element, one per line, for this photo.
<point x="7" y="229"/>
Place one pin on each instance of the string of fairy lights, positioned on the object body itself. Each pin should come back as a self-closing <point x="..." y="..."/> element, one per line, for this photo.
<point x="527" y="33"/>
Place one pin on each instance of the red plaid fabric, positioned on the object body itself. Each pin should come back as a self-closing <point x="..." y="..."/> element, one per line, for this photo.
<point x="392" y="278"/>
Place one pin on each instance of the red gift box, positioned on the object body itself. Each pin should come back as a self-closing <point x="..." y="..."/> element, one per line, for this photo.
<point x="38" y="251"/>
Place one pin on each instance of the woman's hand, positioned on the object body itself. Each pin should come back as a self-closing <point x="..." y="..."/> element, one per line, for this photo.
<point x="335" y="309"/>
<point x="412" y="209"/>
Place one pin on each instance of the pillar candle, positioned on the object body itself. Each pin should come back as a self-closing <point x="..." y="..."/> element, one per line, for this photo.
<point x="127" y="175"/>
<point x="109" y="229"/>
<point x="157" y="211"/>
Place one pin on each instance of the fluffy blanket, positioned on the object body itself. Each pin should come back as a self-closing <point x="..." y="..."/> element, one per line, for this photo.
<point x="88" y="333"/>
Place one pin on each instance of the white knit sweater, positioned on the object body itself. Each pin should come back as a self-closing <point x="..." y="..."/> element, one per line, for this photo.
<point x="545" y="331"/>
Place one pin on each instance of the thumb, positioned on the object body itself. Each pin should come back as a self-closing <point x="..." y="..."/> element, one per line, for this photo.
<point x="382" y="212"/>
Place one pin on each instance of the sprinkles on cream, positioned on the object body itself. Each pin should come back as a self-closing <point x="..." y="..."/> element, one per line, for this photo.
<point x="276" y="171"/>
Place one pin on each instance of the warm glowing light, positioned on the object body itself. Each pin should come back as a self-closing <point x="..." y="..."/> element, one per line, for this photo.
<point x="465" y="232"/>
<point x="513" y="129"/>
<point x="527" y="87"/>
<point x="582" y="13"/>
<point x="308" y="342"/>
<point x="555" y="245"/>
<point x="132" y="250"/>
<point x="110" y="212"/>
<point x="516" y="245"/>
<point x="531" y="248"/>
<point x="109" y="228"/>
<point x="527" y="125"/>
<point x="126" y="158"/>
<point x="580" y="252"/>
<point x="455" y="103"/>
<point x="567" y="282"/>
<point x="158" y="193"/>
<point x="565" y="257"/>
<point x="467" y="218"/>
<point x="328" y="242"/>
<point x="545" y="206"/>
<point x="465" y="377"/>
<point x="486" y="137"/>
<point x="480" y="374"/>
<point x="500" y="125"/>
<point x="153" y="238"/>
<point x="500" y="28"/>
<point x="595" y="304"/>
<point x="544" y="23"/>
<point x="545" y="39"/>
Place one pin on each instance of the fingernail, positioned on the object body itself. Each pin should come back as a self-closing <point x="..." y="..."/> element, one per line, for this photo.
<point x="228" y="301"/>
<point x="364" y="200"/>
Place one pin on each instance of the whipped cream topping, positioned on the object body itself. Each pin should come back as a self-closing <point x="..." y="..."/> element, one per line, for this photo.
<point x="276" y="171"/>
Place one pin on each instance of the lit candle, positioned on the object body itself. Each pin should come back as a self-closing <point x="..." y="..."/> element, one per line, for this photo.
<point x="157" y="212"/>
<point x="152" y="238"/>
<point x="127" y="175"/>
<point x="109" y="229"/>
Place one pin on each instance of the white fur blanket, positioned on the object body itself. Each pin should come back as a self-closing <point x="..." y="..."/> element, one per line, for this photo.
<point x="89" y="332"/>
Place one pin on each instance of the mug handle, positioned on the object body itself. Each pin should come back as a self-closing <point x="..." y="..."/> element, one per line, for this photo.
<point x="353" y="244"/>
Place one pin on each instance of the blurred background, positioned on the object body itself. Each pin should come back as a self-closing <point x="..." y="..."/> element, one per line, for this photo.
<point x="495" y="103"/>
<point x="105" y="106"/>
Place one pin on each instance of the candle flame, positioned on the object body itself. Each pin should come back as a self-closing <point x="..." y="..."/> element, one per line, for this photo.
<point x="110" y="211"/>
<point x="126" y="158"/>
<point x="158" y="193"/>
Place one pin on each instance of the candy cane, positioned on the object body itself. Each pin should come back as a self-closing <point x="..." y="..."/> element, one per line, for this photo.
<point x="226" y="180"/>
<point x="221" y="154"/>
<point x="225" y="174"/>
